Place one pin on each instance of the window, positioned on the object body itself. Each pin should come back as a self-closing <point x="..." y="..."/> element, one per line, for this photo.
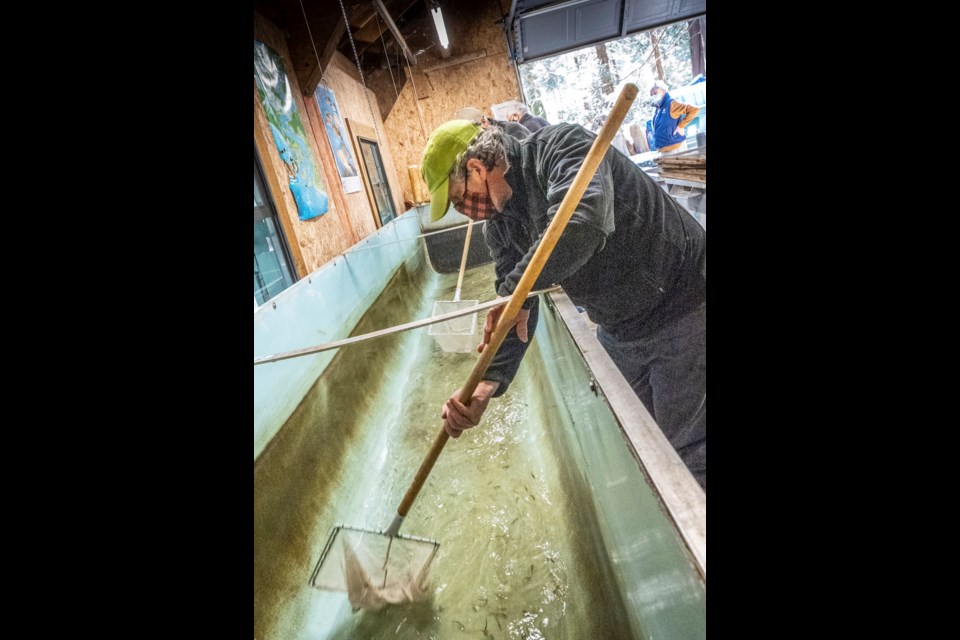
<point x="377" y="179"/>
<point x="374" y="175"/>
<point x="272" y="265"/>
<point x="579" y="86"/>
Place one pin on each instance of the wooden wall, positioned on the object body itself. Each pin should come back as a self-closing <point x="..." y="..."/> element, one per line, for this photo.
<point x="312" y="242"/>
<point x="342" y="76"/>
<point x="478" y="74"/>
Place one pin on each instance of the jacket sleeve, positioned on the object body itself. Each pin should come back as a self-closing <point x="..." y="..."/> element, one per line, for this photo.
<point x="689" y="112"/>
<point x="592" y="220"/>
<point x="505" y="256"/>
<point x="505" y="363"/>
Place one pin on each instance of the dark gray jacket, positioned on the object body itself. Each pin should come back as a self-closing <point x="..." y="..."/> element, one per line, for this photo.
<point x="513" y="129"/>
<point x="532" y="122"/>
<point x="630" y="255"/>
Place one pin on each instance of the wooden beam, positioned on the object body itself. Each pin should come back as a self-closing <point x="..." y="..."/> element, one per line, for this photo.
<point x="412" y="59"/>
<point x="371" y="29"/>
<point x="361" y="13"/>
<point x="467" y="57"/>
<point x="313" y="79"/>
<point x="370" y="33"/>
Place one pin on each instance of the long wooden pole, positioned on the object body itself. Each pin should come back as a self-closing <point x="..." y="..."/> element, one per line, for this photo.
<point x="530" y="275"/>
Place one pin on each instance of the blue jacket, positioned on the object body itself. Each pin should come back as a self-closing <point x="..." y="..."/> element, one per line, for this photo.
<point x="664" y="126"/>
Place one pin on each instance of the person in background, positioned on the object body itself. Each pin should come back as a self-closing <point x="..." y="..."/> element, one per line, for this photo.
<point x="521" y="113"/>
<point x="630" y="256"/>
<point x="474" y="115"/>
<point x="669" y="119"/>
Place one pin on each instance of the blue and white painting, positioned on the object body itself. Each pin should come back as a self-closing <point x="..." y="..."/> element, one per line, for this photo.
<point x="339" y="139"/>
<point x="306" y="183"/>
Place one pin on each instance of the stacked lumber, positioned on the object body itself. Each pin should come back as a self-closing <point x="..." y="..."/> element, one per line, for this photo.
<point x="692" y="167"/>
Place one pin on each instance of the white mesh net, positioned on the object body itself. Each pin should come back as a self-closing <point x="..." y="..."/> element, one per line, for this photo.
<point x="375" y="569"/>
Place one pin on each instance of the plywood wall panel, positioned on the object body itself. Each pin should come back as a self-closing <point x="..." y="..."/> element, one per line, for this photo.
<point x="477" y="83"/>
<point x="319" y="239"/>
<point x="342" y="76"/>
<point x="429" y="100"/>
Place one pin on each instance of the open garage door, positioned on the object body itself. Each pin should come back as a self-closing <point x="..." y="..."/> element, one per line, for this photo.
<point x="541" y="28"/>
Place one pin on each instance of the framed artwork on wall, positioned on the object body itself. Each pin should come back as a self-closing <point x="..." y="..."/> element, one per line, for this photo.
<point x="373" y="171"/>
<point x="273" y="87"/>
<point x="338" y="137"/>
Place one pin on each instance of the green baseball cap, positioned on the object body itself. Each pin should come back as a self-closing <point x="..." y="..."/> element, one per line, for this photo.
<point x="444" y="145"/>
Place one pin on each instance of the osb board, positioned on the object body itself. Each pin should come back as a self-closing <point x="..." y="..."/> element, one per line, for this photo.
<point x="344" y="65"/>
<point x="421" y="81"/>
<point x="385" y="87"/>
<point x="319" y="239"/>
<point x="475" y="83"/>
<point x="471" y="27"/>
<point x="330" y="167"/>
<point x="342" y="76"/>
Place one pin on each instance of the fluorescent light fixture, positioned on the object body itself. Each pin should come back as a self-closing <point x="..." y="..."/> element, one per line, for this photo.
<point x="441" y="29"/>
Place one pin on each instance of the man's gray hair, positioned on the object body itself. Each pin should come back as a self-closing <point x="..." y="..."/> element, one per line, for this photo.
<point x="519" y="107"/>
<point x="487" y="148"/>
<point x="660" y="84"/>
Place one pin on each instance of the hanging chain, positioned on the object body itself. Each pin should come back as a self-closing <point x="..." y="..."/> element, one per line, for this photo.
<point x="356" y="58"/>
